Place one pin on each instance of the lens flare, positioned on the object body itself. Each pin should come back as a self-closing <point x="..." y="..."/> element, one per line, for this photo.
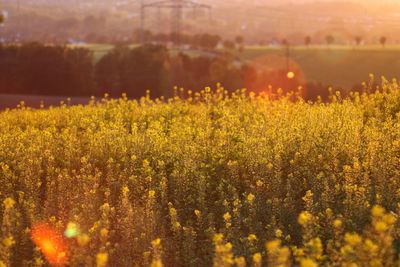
<point x="72" y="230"/>
<point x="290" y="75"/>
<point x="51" y="244"/>
<point x="268" y="72"/>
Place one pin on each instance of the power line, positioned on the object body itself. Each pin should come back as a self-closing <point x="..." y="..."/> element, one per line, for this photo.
<point x="176" y="7"/>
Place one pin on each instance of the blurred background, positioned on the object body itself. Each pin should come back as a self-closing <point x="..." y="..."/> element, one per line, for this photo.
<point x="56" y="49"/>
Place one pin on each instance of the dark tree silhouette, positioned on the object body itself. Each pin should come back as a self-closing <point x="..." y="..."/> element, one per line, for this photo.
<point x="228" y="44"/>
<point x="383" y="41"/>
<point x="33" y="68"/>
<point x="329" y="39"/>
<point x="307" y="40"/>
<point x="358" y="40"/>
<point x="133" y="71"/>
<point x="239" y="40"/>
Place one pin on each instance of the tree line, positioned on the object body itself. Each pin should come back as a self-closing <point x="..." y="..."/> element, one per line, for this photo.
<point x="37" y="69"/>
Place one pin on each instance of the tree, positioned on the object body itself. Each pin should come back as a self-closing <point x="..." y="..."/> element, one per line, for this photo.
<point x="358" y="40"/>
<point x="329" y="39"/>
<point x="209" y="41"/>
<point x="382" y="41"/>
<point x="239" y="42"/>
<point x="229" y="44"/>
<point x="133" y="71"/>
<point x="307" y="40"/>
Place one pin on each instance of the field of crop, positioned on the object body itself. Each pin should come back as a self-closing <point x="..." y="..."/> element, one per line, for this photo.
<point x="203" y="179"/>
<point x="37" y="101"/>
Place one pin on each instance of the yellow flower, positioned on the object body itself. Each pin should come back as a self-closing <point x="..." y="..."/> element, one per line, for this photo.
<point x="304" y="218"/>
<point x="309" y="195"/>
<point x="273" y="245"/>
<point x="8" y="203"/>
<point x="197" y="213"/>
<point x="104" y="232"/>
<point x="370" y="246"/>
<point x="101" y="259"/>
<point x="315" y="245"/>
<point x="377" y="211"/>
<point x="152" y="193"/>
<point x="125" y="190"/>
<point x="298" y="252"/>
<point x="250" y="198"/>
<point x="389" y="219"/>
<point x="240" y="262"/>
<point x="257" y="258"/>
<point x="8" y="241"/>
<point x="236" y="202"/>
<point x="156" y="242"/>
<point x="306" y="262"/>
<point x="352" y="239"/>
<point x="227" y="217"/>
<point x="356" y="165"/>
<point x="328" y="212"/>
<point x="259" y="183"/>
<point x="381" y="226"/>
<point x="218" y="238"/>
<point x="270" y="166"/>
<point x="337" y="223"/>
<point x="278" y="233"/>
<point x="252" y="237"/>
<point x="38" y="262"/>
<point x="156" y="263"/>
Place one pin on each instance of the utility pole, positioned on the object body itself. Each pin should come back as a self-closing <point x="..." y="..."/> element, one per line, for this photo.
<point x="142" y="18"/>
<point x="177" y="21"/>
<point x="177" y="7"/>
<point x="287" y="56"/>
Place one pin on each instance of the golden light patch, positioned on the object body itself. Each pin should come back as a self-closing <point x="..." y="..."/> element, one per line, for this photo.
<point x="290" y="75"/>
<point x="50" y="243"/>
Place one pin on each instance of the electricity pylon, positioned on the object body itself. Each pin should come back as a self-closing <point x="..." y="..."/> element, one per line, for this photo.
<point x="177" y="7"/>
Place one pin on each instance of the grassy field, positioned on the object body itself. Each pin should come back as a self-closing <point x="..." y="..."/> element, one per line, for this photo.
<point x="205" y="180"/>
<point x="338" y="66"/>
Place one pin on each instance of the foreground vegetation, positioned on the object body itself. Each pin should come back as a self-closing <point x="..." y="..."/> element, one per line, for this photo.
<point x="203" y="179"/>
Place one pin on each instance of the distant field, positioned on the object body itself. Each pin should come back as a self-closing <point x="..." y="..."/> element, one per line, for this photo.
<point x="100" y="50"/>
<point x="339" y="66"/>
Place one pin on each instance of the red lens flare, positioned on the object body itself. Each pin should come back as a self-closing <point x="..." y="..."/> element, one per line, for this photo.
<point x="51" y="243"/>
<point x="272" y="71"/>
